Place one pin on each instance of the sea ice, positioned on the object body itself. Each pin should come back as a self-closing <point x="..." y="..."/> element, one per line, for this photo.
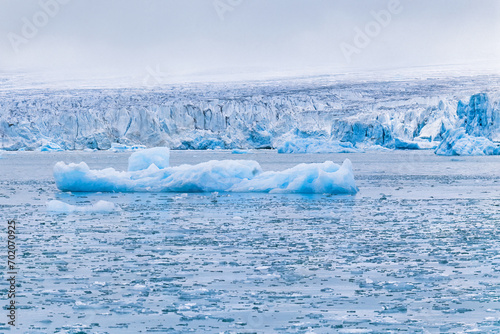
<point x="99" y="207"/>
<point x="211" y="176"/>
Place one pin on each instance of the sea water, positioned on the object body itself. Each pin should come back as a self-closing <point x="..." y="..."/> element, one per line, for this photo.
<point x="416" y="250"/>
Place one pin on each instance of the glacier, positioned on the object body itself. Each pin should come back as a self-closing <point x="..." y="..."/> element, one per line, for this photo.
<point x="242" y="176"/>
<point x="477" y="131"/>
<point x="316" y="114"/>
<point x="458" y="142"/>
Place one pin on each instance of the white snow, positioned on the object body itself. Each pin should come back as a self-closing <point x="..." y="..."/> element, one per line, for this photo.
<point x="159" y="156"/>
<point x="99" y="207"/>
<point x="211" y="176"/>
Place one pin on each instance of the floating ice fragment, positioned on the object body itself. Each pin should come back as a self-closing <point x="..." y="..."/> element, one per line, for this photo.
<point x="101" y="206"/>
<point x="401" y="144"/>
<point x="314" y="178"/>
<point x="115" y="147"/>
<point x="240" y="152"/>
<point x="211" y="176"/>
<point x="458" y="142"/>
<point x="47" y="146"/>
<point x="378" y="148"/>
<point x="315" y="145"/>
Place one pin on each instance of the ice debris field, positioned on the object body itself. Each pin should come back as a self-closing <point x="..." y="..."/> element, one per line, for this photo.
<point x="149" y="171"/>
<point x="416" y="250"/>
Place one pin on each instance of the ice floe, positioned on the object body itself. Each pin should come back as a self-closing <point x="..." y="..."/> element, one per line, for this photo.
<point x="56" y="206"/>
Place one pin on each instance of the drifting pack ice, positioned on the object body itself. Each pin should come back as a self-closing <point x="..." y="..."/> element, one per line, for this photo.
<point x="144" y="175"/>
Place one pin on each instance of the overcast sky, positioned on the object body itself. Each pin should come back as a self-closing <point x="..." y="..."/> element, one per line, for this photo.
<point x="207" y="36"/>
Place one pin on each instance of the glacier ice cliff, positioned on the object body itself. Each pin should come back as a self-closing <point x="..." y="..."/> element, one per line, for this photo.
<point x="414" y="113"/>
<point x="477" y="131"/>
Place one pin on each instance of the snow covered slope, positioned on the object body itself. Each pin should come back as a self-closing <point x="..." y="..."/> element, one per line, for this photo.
<point x="238" y="115"/>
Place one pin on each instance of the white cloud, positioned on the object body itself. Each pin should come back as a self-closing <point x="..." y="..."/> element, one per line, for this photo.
<point x="128" y="36"/>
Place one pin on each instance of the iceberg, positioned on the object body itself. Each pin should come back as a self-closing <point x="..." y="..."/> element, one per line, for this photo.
<point x="315" y="145"/>
<point x="378" y="148"/>
<point x="458" y="142"/>
<point x="99" y="207"/>
<point x="477" y="130"/>
<point x="401" y="144"/>
<point x="115" y="147"/>
<point x="240" y="152"/>
<point x="211" y="176"/>
<point x="405" y="145"/>
<point x="159" y="156"/>
<point x="50" y="147"/>
<point x="314" y="178"/>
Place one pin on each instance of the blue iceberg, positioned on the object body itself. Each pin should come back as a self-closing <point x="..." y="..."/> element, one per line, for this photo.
<point x="315" y="145"/>
<point x="210" y="176"/>
<point x="458" y="142"/>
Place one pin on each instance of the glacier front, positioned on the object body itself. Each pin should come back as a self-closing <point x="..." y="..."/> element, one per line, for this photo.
<point x="477" y="131"/>
<point x="328" y="113"/>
